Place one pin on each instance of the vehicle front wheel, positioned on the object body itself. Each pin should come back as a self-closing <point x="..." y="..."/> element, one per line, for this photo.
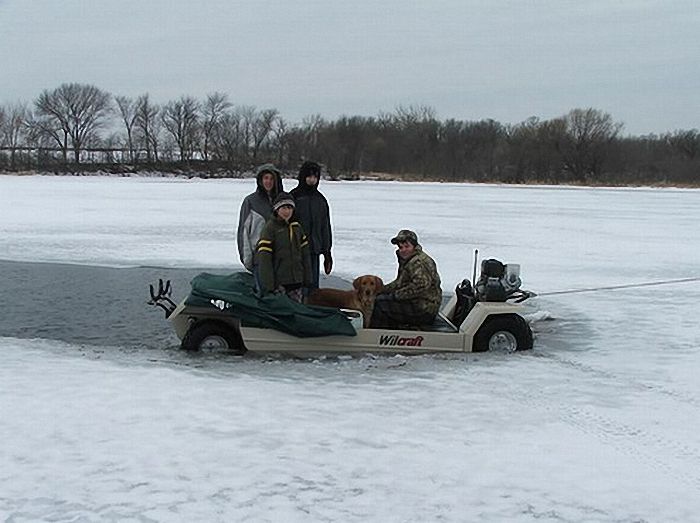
<point x="213" y="336"/>
<point x="505" y="333"/>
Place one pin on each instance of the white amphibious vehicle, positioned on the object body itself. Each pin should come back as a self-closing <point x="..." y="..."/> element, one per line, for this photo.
<point x="487" y="317"/>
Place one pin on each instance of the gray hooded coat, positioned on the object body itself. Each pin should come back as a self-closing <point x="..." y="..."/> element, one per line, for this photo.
<point x="255" y="211"/>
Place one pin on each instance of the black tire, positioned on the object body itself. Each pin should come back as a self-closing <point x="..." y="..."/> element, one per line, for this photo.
<point x="214" y="335"/>
<point x="510" y="331"/>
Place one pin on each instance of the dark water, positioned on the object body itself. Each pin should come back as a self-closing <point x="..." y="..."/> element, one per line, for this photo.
<point x="91" y="305"/>
<point x="84" y="304"/>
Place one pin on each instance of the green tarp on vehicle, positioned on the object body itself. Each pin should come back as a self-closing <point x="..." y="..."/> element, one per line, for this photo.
<point x="237" y="296"/>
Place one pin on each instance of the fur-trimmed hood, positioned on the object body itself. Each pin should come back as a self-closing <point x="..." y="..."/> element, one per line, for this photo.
<point x="268" y="168"/>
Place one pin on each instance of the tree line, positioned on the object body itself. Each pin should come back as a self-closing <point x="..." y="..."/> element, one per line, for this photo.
<point x="78" y="127"/>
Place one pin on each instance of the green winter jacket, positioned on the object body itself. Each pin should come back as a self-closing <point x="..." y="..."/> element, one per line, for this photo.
<point x="417" y="281"/>
<point x="283" y="255"/>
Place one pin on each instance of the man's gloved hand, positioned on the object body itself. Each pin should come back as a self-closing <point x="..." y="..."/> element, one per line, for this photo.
<point x="327" y="263"/>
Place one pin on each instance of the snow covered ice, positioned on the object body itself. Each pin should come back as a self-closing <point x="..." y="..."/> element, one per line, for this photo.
<point x="600" y="422"/>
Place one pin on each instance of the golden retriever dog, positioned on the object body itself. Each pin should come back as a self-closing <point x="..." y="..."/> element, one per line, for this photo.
<point x="361" y="297"/>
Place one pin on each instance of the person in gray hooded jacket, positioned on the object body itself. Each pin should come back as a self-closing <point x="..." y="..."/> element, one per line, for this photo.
<point x="255" y="211"/>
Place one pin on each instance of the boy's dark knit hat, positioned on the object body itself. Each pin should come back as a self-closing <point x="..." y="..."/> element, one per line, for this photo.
<point x="282" y="199"/>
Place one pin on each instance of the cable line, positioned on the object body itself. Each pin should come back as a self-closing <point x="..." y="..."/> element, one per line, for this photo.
<point x="614" y="287"/>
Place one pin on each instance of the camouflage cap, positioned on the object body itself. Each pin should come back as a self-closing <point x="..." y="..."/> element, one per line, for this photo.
<point x="405" y="235"/>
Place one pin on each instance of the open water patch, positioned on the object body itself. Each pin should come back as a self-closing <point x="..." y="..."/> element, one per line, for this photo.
<point x="94" y="305"/>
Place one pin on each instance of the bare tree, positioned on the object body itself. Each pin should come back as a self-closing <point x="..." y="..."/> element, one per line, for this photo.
<point x="482" y="141"/>
<point x="280" y="141"/>
<point x="2" y="137"/>
<point x="350" y="136"/>
<point x="248" y="115"/>
<point x="687" y="143"/>
<point x="262" y="127"/>
<point x="532" y="152"/>
<point x="417" y="137"/>
<point x="148" y="126"/>
<point x="181" y="120"/>
<point x="214" y="109"/>
<point x="584" y="140"/>
<point x="43" y="133"/>
<point x="72" y="113"/>
<point x="227" y="139"/>
<point x="112" y="143"/>
<point x="453" y="158"/>
<point x="411" y="115"/>
<point x="13" y="128"/>
<point x="311" y="131"/>
<point x="128" y="111"/>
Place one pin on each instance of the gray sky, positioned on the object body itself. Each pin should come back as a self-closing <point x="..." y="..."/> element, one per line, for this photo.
<point x="636" y="59"/>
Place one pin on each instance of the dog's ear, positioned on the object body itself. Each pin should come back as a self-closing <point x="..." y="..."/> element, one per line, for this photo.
<point x="379" y="283"/>
<point x="357" y="282"/>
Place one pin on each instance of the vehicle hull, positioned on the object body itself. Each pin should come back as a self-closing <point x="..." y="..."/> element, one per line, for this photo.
<point x="449" y="339"/>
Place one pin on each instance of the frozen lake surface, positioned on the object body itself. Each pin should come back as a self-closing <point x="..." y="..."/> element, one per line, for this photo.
<point x="600" y="422"/>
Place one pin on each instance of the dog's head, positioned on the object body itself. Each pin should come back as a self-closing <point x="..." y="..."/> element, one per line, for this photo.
<point x="368" y="286"/>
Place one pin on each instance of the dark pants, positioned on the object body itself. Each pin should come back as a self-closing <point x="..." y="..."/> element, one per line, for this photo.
<point x="391" y="313"/>
<point x="315" y="271"/>
<point x="314" y="275"/>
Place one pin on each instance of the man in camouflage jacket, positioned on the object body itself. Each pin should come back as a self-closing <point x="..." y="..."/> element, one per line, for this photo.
<point x="414" y="297"/>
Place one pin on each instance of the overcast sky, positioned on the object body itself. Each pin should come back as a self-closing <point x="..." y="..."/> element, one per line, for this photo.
<point x="636" y="59"/>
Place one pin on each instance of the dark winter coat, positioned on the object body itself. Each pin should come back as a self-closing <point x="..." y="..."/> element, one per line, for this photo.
<point x="313" y="212"/>
<point x="283" y="255"/>
<point x="256" y="209"/>
<point x="417" y="281"/>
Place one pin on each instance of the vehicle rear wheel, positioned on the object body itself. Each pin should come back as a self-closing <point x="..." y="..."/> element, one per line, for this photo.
<point x="505" y="333"/>
<point x="213" y="336"/>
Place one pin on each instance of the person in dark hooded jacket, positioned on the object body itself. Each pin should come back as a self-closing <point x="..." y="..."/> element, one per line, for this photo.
<point x="313" y="213"/>
<point x="256" y="209"/>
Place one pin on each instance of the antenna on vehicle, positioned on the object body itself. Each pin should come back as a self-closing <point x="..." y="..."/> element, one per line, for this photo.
<point x="476" y="256"/>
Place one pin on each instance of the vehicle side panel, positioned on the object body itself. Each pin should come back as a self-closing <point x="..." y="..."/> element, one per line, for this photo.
<point x="374" y="341"/>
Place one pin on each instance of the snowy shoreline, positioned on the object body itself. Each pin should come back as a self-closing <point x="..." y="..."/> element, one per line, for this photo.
<point x="369" y="177"/>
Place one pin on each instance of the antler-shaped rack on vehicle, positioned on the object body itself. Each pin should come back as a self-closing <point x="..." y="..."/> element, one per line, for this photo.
<point x="162" y="298"/>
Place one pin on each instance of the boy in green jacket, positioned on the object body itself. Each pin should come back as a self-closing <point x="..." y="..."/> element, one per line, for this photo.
<point x="283" y="254"/>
